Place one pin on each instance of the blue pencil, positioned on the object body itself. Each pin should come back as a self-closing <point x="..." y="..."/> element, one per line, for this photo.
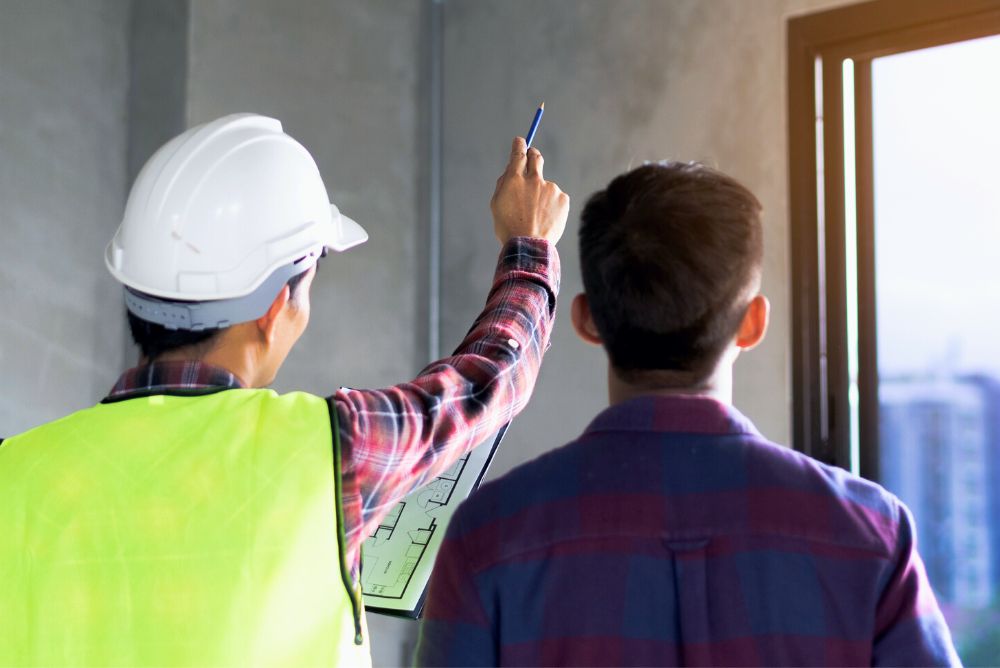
<point x="534" y="124"/>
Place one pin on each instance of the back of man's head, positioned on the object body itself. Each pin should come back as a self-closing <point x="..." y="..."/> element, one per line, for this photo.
<point x="671" y="256"/>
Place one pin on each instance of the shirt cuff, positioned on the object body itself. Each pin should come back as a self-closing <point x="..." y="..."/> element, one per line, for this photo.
<point x="533" y="259"/>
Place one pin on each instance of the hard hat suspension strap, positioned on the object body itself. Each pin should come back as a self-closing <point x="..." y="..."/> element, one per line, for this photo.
<point x="198" y="316"/>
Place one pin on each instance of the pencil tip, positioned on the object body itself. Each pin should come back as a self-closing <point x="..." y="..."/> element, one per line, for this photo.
<point x="542" y="105"/>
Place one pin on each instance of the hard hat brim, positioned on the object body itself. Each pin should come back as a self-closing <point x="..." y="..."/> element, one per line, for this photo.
<point x="347" y="233"/>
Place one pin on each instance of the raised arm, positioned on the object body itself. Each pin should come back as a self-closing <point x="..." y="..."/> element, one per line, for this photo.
<point x="396" y="438"/>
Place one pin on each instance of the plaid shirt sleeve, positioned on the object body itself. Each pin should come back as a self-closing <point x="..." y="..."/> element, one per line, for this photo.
<point x="910" y="629"/>
<point x="396" y="438"/>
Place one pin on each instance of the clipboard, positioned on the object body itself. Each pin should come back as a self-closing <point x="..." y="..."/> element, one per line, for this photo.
<point x="397" y="559"/>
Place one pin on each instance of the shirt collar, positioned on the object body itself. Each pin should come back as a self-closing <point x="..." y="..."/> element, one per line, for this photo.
<point x="167" y="377"/>
<point x="673" y="413"/>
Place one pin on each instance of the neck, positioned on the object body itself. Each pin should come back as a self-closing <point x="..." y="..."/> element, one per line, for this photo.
<point x="717" y="385"/>
<point x="232" y="351"/>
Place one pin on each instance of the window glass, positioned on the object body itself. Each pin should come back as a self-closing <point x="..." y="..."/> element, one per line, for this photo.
<point x="936" y="122"/>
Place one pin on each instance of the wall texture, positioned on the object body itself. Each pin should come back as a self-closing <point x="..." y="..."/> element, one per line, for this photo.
<point x="63" y="86"/>
<point x="623" y="82"/>
<point x="158" y="72"/>
<point x="343" y="78"/>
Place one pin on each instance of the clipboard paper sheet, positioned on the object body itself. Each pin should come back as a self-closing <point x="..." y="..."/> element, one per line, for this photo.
<point x="397" y="559"/>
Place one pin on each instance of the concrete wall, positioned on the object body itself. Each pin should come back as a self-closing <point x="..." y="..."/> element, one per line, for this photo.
<point x="623" y="82"/>
<point x="344" y="80"/>
<point x="63" y="86"/>
<point x="158" y="73"/>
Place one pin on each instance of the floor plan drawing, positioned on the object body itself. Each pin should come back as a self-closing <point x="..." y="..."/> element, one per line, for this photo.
<point x="398" y="556"/>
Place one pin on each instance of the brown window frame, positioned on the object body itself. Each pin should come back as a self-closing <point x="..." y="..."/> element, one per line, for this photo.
<point x="821" y="422"/>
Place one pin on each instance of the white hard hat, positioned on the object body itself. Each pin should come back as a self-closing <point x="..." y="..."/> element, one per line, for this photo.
<point x="222" y="216"/>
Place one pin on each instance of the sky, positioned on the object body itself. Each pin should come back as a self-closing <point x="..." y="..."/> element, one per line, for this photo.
<point x="937" y="208"/>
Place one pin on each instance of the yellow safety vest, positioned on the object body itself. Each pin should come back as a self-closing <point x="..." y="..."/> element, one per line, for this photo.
<point x="178" y="531"/>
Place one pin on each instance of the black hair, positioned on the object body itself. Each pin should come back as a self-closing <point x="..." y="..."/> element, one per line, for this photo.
<point x="155" y="340"/>
<point x="669" y="252"/>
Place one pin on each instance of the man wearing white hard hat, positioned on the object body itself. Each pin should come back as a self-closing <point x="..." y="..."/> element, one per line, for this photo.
<point x="194" y="517"/>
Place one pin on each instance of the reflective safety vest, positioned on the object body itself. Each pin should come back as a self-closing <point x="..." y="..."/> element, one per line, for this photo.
<point x="178" y="531"/>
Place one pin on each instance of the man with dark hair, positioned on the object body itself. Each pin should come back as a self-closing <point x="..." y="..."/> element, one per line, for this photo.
<point x="195" y="517"/>
<point x="671" y="532"/>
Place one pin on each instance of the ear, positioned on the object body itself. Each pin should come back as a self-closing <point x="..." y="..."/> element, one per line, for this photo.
<point x="267" y="324"/>
<point x="754" y="323"/>
<point x="583" y="323"/>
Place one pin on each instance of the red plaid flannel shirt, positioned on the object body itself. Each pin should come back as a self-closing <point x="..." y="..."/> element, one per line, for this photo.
<point x="394" y="439"/>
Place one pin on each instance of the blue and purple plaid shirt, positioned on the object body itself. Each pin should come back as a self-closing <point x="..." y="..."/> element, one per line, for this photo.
<point x="672" y="533"/>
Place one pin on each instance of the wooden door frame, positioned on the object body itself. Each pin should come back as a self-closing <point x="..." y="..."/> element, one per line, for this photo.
<point x="821" y="41"/>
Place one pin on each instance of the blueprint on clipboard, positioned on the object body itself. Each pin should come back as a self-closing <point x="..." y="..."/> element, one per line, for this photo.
<point x="397" y="559"/>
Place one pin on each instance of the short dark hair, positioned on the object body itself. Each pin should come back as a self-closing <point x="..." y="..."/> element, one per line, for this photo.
<point x="155" y="340"/>
<point x="669" y="252"/>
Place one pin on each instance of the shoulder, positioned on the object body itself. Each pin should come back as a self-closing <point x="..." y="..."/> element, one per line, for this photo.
<point x="66" y="423"/>
<point x="297" y="416"/>
<point x="550" y="476"/>
<point x="825" y="502"/>
<point x="546" y="478"/>
<point x="292" y="400"/>
<point x="521" y="511"/>
<point x="781" y="492"/>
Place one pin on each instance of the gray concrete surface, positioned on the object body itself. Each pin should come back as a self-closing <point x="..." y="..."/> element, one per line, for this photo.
<point x="158" y="74"/>
<point x="63" y="86"/>
<point x="344" y="80"/>
<point x="623" y="82"/>
<point x="342" y="77"/>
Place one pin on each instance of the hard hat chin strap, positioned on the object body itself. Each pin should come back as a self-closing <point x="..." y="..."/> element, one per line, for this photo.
<point x="198" y="316"/>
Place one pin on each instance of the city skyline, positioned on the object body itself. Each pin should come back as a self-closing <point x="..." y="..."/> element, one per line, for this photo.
<point x="939" y="452"/>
